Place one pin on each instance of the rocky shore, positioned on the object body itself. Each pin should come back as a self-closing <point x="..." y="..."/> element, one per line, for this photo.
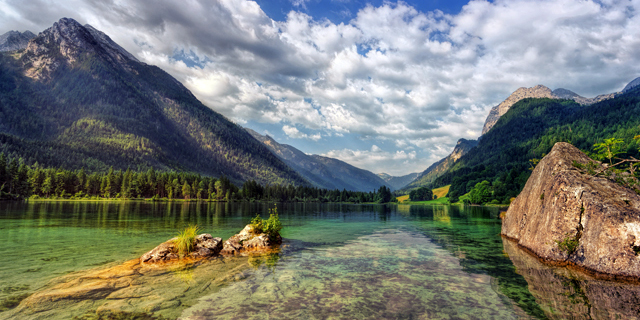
<point x="568" y="217"/>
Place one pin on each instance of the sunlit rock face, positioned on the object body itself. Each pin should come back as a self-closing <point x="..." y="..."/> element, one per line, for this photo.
<point x="560" y="203"/>
<point x="567" y="294"/>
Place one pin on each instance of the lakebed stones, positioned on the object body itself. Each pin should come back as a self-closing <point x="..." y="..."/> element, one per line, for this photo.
<point x="207" y="246"/>
<point x="567" y="217"/>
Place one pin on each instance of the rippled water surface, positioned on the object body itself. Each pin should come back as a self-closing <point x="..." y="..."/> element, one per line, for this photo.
<point x="336" y="262"/>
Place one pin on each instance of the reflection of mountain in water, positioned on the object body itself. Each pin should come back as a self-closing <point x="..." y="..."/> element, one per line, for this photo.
<point x="471" y="234"/>
<point x="566" y="294"/>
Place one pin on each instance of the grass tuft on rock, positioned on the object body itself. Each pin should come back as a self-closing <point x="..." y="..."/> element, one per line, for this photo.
<point x="186" y="240"/>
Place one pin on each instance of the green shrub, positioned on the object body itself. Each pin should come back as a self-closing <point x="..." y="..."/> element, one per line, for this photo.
<point x="257" y="224"/>
<point x="185" y="243"/>
<point x="271" y="226"/>
<point x="569" y="244"/>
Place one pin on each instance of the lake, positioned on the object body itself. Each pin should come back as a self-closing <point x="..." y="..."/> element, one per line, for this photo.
<point x="337" y="261"/>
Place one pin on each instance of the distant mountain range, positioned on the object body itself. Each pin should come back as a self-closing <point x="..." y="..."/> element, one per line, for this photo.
<point x="437" y="169"/>
<point x="440" y="167"/>
<point x="530" y="127"/>
<point x="15" y="40"/>
<point x="71" y="97"/>
<point x="399" y="182"/>
<point x="323" y="172"/>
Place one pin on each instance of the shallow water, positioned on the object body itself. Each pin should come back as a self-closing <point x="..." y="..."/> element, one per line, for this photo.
<point x="337" y="261"/>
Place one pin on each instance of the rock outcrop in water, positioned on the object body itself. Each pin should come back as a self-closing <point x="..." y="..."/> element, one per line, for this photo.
<point x="248" y="240"/>
<point x="207" y="246"/>
<point x="567" y="217"/>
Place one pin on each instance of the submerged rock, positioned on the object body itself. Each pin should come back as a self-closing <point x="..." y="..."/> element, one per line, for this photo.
<point x="567" y="217"/>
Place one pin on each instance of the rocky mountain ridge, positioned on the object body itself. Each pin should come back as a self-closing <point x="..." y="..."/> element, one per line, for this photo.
<point x="538" y="91"/>
<point x="15" y="40"/>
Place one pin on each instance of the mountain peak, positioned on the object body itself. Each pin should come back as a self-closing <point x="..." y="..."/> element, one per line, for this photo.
<point x="496" y="112"/>
<point x="540" y="91"/>
<point x="68" y="41"/>
<point x="15" y="40"/>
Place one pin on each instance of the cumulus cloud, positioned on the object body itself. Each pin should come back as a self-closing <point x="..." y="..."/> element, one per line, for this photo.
<point x="293" y="132"/>
<point x="419" y="79"/>
<point x="394" y="163"/>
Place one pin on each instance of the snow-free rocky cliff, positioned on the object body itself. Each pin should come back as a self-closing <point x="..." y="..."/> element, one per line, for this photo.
<point x="560" y="203"/>
<point x="538" y="91"/>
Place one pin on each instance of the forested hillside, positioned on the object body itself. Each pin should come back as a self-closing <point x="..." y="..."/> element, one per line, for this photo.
<point x="74" y="99"/>
<point x="505" y="155"/>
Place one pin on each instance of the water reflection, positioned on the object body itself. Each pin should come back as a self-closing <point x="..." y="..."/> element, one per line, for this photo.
<point x="567" y="294"/>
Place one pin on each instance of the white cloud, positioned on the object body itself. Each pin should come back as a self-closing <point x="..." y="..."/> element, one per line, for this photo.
<point x="293" y="132"/>
<point x="377" y="160"/>
<point x="422" y="80"/>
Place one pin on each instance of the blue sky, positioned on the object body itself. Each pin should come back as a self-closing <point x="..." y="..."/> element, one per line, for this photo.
<point x="386" y="86"/>
<point x="341" y="11"/>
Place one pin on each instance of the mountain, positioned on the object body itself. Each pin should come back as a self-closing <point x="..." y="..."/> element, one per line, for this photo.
<point x="74" y="98"/>
<point x="398" y="182"/>
<point x="438" y="168"/>
<point x="529" y="129"/>
<point x="538" y="91"/>
<point x="632" y="84"/>
<point x="323" y="172"/>
<point x="15" y="40"/>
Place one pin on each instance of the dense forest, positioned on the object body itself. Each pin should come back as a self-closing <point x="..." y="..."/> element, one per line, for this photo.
<point x="498" y="168"/>
<point x="19" y="181"/>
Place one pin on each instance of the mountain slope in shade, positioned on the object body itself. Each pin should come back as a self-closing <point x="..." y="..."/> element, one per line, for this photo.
<point x="15" y="40"/>
<point x="398" y="182"/>
<point x="74" y="98"/>
<point x="323" y="172"/>
<point x="438" y="168"/>
<point x="538" y="91"/>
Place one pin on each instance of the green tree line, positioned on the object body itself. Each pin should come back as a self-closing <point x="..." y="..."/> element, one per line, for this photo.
<point x="19" y="181"/>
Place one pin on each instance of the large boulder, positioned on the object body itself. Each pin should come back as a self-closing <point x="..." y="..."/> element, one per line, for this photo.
<point x="568" y="217"/>
<point x="249" y="239"/>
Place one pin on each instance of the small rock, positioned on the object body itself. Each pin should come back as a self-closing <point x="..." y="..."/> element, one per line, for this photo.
<point x="164" y="252"/>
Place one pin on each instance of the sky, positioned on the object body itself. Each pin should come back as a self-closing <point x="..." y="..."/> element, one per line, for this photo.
<point x="386" y="86"/>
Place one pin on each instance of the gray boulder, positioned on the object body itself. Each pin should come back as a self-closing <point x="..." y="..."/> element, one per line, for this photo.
<point x="568" y="217"/>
